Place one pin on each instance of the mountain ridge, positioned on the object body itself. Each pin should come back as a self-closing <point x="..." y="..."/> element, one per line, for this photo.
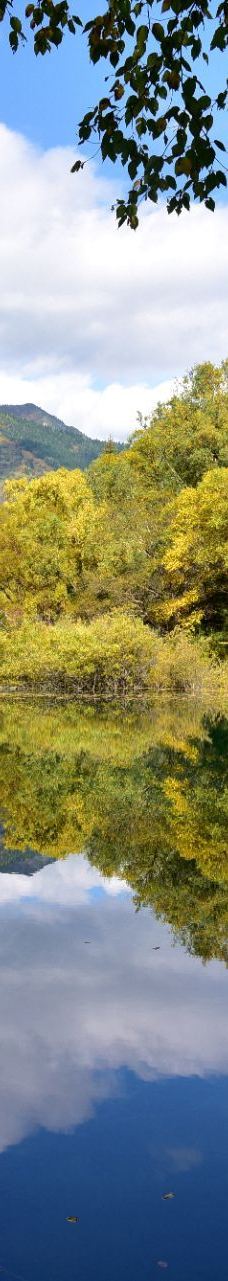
<point x="33" y="441"/>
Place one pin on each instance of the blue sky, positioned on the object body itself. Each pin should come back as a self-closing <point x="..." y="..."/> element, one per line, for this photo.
<point x="95" y="324"/>
<point x="45" y="97"/>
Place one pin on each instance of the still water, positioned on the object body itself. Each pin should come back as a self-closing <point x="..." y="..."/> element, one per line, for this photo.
<point x="113" y="993"/>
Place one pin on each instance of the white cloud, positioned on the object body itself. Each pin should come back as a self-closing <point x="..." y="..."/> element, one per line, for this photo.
<point x="72" y="1016"/>
<point x="111" y="410"/>
<point x="93" y="319"/>
<point x="183" y="1159"/>
<point x="69" y="881"/>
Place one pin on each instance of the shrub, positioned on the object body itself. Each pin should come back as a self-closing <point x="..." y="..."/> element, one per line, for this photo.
<point x="113" y="655"/>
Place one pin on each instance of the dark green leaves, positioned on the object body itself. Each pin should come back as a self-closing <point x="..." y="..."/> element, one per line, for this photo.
<point x="141" y="42"/>
<point x="158" y="31"/>
<point x="163" y="152"/>
<point x="219" y="39"/>
<point x="16" y="33"/>
<point x="78" y="165"/>
<point x="48" y="21"/>
<point x="147" y="62"/>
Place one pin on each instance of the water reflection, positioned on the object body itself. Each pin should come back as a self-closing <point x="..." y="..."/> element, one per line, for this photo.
<point x="113" y="1035"/>
<point x="75" y="1013"/>
<point x="147" y="800"/>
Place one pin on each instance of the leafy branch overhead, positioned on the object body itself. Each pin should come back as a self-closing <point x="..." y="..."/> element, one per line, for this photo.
<point x="157" y="115"/>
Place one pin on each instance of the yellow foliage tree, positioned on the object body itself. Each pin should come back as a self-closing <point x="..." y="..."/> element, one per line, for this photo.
<point x="197" y="558"/>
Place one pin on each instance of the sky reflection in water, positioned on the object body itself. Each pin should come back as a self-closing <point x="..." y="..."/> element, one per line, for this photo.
<point x="113" y="1087"/>
<point x="114" y="1055"/>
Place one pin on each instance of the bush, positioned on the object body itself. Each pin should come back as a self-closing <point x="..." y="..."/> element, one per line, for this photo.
<point x="113" y="655"/>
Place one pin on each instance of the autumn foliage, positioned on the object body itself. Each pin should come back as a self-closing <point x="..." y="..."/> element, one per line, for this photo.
<point x="116" y="579"/>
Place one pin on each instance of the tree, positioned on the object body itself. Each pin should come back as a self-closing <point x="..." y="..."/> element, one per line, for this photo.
<point x="187" y="436"/>
<point x="172" y="452"/>
<point x="197" y="558"/>
<point x="43" y="525"/>
<point x="156" y="115"/>
<point x="143" y="532"/>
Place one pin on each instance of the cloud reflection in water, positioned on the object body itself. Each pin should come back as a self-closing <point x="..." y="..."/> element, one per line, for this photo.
<point x="72" y="1015"/>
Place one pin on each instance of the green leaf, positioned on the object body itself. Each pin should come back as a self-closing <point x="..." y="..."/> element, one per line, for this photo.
<point x="162" y="91"/>
<point x="130" y="26"/>
<point x="78" y="165"/>
<point x="219" y="39"/>
<point x="170" y="182"/>
<point x="221" y="179"/>
<point x="204" y="102"/>
<point x="16" y="25"/>
<point x="158" y="31"/>
<point x="142" y="33"/>
<point x="118" y="91"/>
<point x="141" y="126"/>
<point x="154" y="61"/>
<point x="186" y="201"/>
<point x="184" y="166"/>
<point x="221" y="100"/>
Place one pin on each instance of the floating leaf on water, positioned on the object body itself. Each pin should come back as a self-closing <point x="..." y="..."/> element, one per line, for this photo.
<point x="168" y="1196"/>
<point x="72" y="1218"/>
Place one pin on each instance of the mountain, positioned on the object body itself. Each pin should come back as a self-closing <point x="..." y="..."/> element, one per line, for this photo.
<point x="24" y="862"/>
<point x="33" y="442"/>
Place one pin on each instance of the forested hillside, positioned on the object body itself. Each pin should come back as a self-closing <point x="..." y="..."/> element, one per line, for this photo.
<point x="117" y="580"/>
<point x="33" y="442"/>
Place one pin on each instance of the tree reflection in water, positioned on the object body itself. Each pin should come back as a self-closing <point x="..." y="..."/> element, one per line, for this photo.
<point x="144" y="794"/>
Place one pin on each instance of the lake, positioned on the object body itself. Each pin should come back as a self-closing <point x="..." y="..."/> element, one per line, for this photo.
<point x="113" y="992"/>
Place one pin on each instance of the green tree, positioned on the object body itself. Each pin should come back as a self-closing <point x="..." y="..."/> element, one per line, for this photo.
<point x="157" y="114"/>
<point x="184" y="440"/>
<point x="187" y="436"/>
